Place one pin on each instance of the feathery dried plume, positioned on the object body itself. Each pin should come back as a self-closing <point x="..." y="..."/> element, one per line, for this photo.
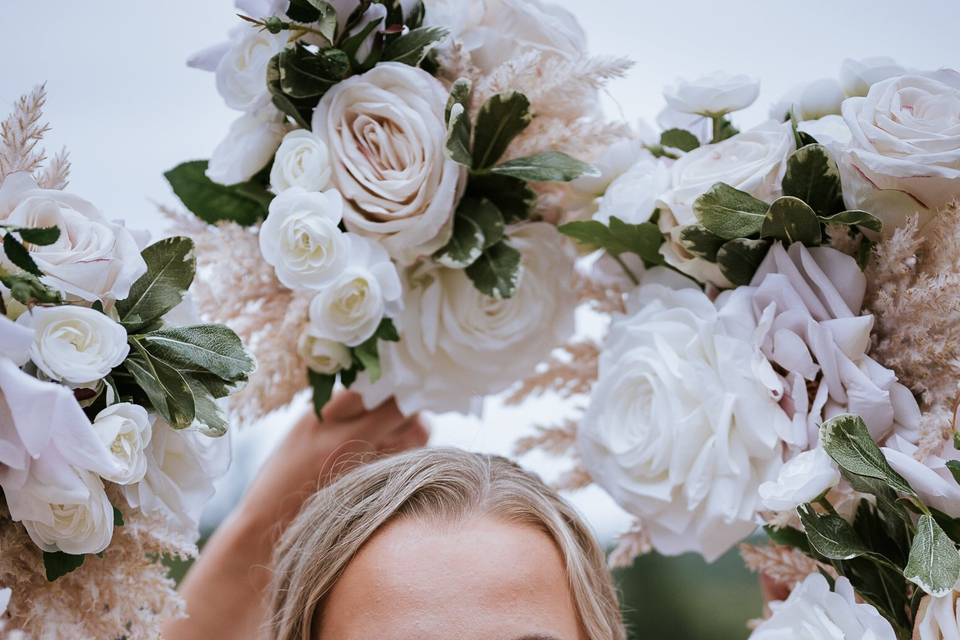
<point x="842" y="240"/>
<point x="782" y="564"/>
<point x="571" y="370"/>
<point x="632" y="543"/>
<point x="56" y="175"/>
<point x="603" y="299"/>
<point x="556" y="440"/>
<point x="573" y="479"/>
<point x="21" y="132"/>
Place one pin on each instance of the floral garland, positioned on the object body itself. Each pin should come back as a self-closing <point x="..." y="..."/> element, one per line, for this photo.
<point x="782" y="348"/>
<point x="110" y="430"/>
<point x="383" y="213"/>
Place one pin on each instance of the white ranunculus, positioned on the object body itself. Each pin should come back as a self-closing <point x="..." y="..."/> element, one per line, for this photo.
<point x="712" y="94"/>
<point x="63" y="509"/>
<point x="302" y="160"/>
<point x="615" y="160"/>
<point x="802" y="479"/>
<point x="906" y="138"/>
<point x="350" y="307"/>
<point x="857" y="76"/>
<point x="125" y="430"/>
<point x="929" y="477"/>
<point x="322" y="355"/>
<point x="302" y="240"/>
<point x="458" y="344"/>
<point x="814" y="612"/>
<point x="810" y="101"/>
<point x="93" y="259"/>
<point x="241" y="65"/>
<point x="831" y="131"/>
<point x="181" y="469"/>
<point x="385" y="132"/>
<point x="753" y="161"/>
<point x="938" y="618"/>
<point x="496" y="31"/>
<point x="75" y="345"/>
<point x="250" y="143"/>
<point x="682" y="425"/>
<point x="633" y="195"/>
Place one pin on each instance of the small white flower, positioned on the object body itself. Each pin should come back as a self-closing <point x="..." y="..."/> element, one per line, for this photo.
<point x="714" y="94"/>
<point x="302" y="160"/>
<point x="814" y="612"/>
<point x="349" y="309"/>
<point x="242" y="66"/>
<point x="632" y="196"/>
<point x="802" y="479"/>
<point x="322" y="355"/>
<point x="75" y="345"/>
<point x="930" y="477"/>
<point x="302" y="240"/>
<point x="250" y="143"/>
<point x="125" y="430"/>
<point x="857" y="76"/>
<point x="810" y="101"/>
<point x="938" y="618"/>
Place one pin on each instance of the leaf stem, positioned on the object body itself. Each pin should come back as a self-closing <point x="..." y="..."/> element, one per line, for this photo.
<point x="626" y="269"/>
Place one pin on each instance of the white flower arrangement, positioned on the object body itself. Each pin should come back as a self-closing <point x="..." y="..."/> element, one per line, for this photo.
<point x="396" y="165"/>
<point x="782" y="346"/>
<point x="97" y="378"/>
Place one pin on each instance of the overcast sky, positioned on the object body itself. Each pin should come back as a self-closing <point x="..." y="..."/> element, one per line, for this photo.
<point x="127" y="108"/>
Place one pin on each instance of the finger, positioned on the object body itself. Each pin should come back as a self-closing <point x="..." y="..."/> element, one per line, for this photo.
<point x="374" y="425"/>
<point x="413" y="434"/>
<point x="345" y="405"/>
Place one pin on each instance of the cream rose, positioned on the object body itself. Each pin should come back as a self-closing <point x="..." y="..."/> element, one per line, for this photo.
<point x="322" y="355"/>
<point x="814" y="612"/>
<point x="683" y="420"/>
<point x="906" y="138"/>
<point x="302" y="160"/>
<point x="93" y="259"/>
<point x="302" y="240"/>
<point x="938" y="618"/>
<point x="75" y="345"/>
<point x="385" y="132"/>
<point x="458" y="344"/>
<point x="713" y="94"/>
<point x="349" y="309"/>
<point x="802" y="479"/>
<point x="250" y="143"/>
<point x="124" y="429"/>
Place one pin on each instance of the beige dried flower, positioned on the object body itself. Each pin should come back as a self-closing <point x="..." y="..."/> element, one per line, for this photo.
<point x="556" y="440"/>
<point x="634" y="542"/>
<point x="784" y="565"/>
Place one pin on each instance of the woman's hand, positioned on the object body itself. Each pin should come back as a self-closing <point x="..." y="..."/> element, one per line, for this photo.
<point x="224" y="590"/>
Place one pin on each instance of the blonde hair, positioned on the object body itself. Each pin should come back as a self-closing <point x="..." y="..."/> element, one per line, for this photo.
<point x="429" y="483"/>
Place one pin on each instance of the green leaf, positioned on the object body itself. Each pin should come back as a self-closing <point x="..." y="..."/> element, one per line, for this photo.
<point x="643" y="239"/>
<point x="412" y="47"/>
<point x="40" y="236"/>
<point x="813" y="176"/>
<point x="792" y="220"/>
<point x="722" y="129"/>
<point x="465" y="244"/>
<point x="305" y="74"/>
<point x="954" y="467"/>
<point x="800" y="138"/>
<point x="209" y="417"/>
<point x="300" y="109"/>
<point x="210" y="347"/>
<point x="500" y="120"/>
<point x="730" y="213"/>
<point x="497" y="271"/>
<point x="934" y="563"/>
<point x="855" y="217"/>
<point x="117" y="517"/>
<point x="487" y="217"/>
<point x="950" y="526"/>
<point x="213" y="202"/>
<point x="512" y="196"/>
<point x="322" y="385"/>
<point x="368" y="354"/>
<point x="696" y="240"/>
<point x="846" y="439"/>
<point x="18" y="255"/>
<point x="459" y="94"/>
<point x="351" y="44"/>
<point x="318" y="13"/>
<point x="166" y="387"/>
<point x="679" y="139"/>
<point x="831" y="536"/>
<point x="788" y="537"/>
<point x="896" y="520"/>
<point x="170" y="269"/>
<point x="27" y="289"/>
<point x="739" y="258"/>
<point x="58" y="563"/>
<point x="457" y="145"/>
<point x="549" y="166"/>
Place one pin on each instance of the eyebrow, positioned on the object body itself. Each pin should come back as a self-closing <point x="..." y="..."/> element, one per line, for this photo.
<point x="537" y="636"/>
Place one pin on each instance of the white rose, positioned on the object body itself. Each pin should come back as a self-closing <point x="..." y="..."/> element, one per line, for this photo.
<point x="75" y="345"/>
<point x="712" y="94"/>
<point x="241" y="65"/>
<point x="906" y="138"/>
<point x="301" y="161"/>
<point x="929" y="477"/>
<point x="63" y="509"/>
<point x="633" y="195"/>
<point x="386" y="133"/>
<point x="831" y="131"/>
<point x="125" y="430"/>
<point x="250" y="143"/>
<point x="857" y="76"/>
<point x="349" y="309"/>
<point x="302" y="240"/>
<point x="181" y="469"/>
<point x="810" y="101"/>
<point x="802" y="479"/>
<point x="93" y="259"/>
<point x="814" y="612"/>
<point x="682" y="425"/>
<point x="753" y="161"/>
<point x="615" y="160"/>
<point x="458" y="344"/>
<point x="322" y="355"/>
<point x="496" y="31"/>
<point x="938" y="618"/>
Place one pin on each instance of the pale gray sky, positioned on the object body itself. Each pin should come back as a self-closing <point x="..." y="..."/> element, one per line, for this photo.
<point x="123" y="102"/>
